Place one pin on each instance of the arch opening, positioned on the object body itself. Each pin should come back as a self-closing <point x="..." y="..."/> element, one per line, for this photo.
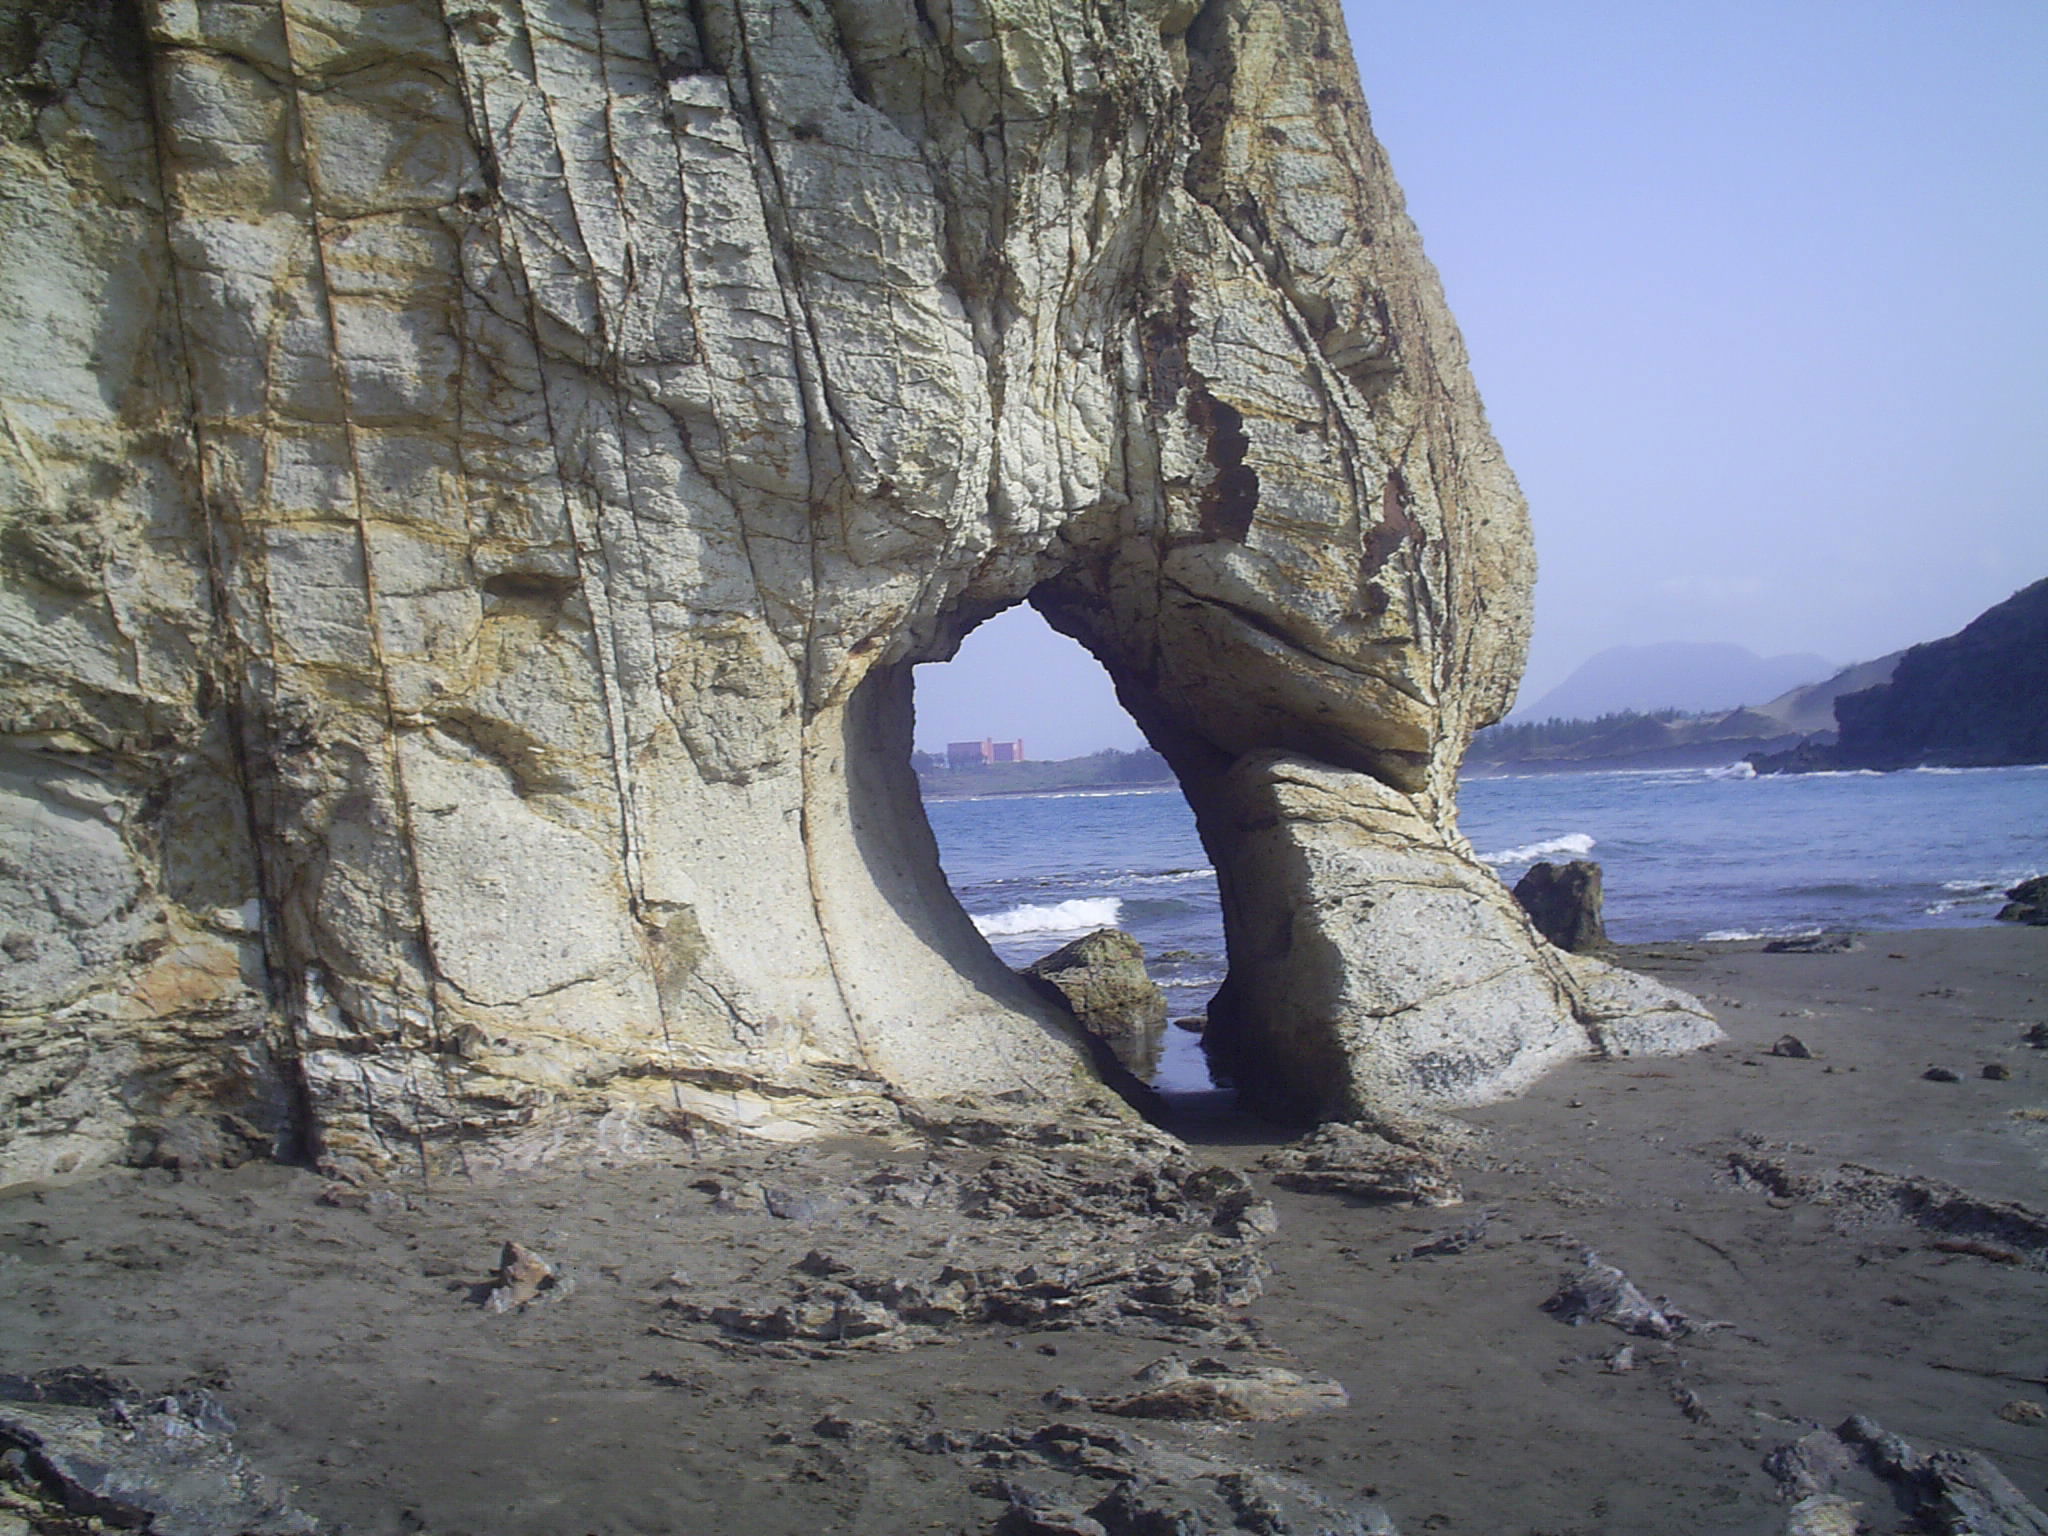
<point x="1055" y="818"/>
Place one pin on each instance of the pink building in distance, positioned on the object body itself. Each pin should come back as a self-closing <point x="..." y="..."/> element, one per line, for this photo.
<point x="979" y="754"/>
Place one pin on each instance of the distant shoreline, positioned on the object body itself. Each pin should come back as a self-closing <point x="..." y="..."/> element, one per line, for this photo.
<point x="1107" y="769"/>
<point x="1095" y="787"/>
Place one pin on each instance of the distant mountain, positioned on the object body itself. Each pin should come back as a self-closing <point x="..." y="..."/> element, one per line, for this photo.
<point x="1689" y="676"/>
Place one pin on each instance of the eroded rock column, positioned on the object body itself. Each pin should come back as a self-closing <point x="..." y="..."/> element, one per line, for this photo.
<point x="1320" y="594"/>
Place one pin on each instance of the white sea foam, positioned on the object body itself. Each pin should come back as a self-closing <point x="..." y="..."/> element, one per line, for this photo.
<point x="1733" y="771"/>
<point x="1574" y="844"/>
<point x="1080" y="915"/>
<point x="1169" y="877"/>
<point x="1976" y="893"/>
<point x="1742" y="935"/>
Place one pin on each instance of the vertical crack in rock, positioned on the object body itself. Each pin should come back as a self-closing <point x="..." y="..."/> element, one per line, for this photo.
<point x="476" y="481"/>
<point x="413" y="919"/>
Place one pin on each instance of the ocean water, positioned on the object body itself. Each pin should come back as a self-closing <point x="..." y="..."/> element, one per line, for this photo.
<point x="1685" y="854"/>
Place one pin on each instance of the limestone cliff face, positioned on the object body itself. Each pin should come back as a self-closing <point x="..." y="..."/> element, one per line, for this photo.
<point x="477" y="477"/>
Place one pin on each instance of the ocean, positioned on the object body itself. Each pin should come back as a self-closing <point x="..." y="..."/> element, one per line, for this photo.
<point x="1685" y="854"/>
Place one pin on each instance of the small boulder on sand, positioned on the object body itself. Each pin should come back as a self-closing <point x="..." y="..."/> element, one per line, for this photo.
<point x="1102" y="977"/>
<point x="2027" y="902"/>
<point x="1214" y="1391"/>
<point x="523" y="1277"/>
<point x="1564" y="902"/>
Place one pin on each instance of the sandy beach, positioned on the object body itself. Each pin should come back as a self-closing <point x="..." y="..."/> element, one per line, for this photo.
<point x="943" y="1336"/>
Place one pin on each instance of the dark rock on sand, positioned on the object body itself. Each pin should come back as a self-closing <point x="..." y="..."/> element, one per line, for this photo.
<point x="1066" y="1479"/>
<point x="87" y="1447"/>
<point x="1564" y="902"/>
<point x="522" y="1278"/>
<point x="1102" y="977"/>
<point x="1955" y="1491"/>
<point x="1456" y="1240"/>
<point x="1792" y="1046"/>
<point x="1941" y="1075"/>
<point x="1815" y="944"/>
<point x="2027" y="902"/>
<point x="1814" y="1463"/>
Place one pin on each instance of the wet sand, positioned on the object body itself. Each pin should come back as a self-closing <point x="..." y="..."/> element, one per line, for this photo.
<point x="1840" y="1231"/>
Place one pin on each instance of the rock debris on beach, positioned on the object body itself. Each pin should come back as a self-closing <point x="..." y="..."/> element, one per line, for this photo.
<point x="1960" y="1493"/>
<point x="90" y="1445"/>
<point x="1217" y="1391"/>
<point x="1009" y="1322"/>
<point x="1598" y="1292"/>
<point x="1859" y="1195"/>
<point x="1338" y="1159"/>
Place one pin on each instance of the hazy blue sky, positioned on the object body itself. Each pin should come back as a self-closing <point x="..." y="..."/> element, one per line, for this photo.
<point x="1757" y="295"/>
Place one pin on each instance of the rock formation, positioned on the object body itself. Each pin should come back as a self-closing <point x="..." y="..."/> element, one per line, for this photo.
<point x="1101" y="976"/>
<point x="1565" y="903"/>
<point x="476" y="480"/>
<point x="2027" y="902"/>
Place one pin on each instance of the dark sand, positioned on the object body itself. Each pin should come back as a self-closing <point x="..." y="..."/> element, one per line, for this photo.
<point x="346" y="1342"/>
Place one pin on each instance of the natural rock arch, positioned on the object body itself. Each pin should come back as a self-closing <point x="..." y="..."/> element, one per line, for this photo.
<point x="478" y="478"/>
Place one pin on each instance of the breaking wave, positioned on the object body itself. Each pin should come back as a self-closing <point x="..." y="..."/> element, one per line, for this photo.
<point x="1574" y="844"/>
<point x="1080" y="915"/>
<point x="1975" y="893"/>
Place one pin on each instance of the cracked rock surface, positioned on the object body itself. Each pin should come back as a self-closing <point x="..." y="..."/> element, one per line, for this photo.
<point x="475" y="480"/>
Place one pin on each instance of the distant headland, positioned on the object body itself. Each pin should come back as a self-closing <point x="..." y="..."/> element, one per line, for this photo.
<point x="1974" y="699"/>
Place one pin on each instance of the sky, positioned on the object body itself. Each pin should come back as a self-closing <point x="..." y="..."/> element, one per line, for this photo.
<point x="1757" y="297"/>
